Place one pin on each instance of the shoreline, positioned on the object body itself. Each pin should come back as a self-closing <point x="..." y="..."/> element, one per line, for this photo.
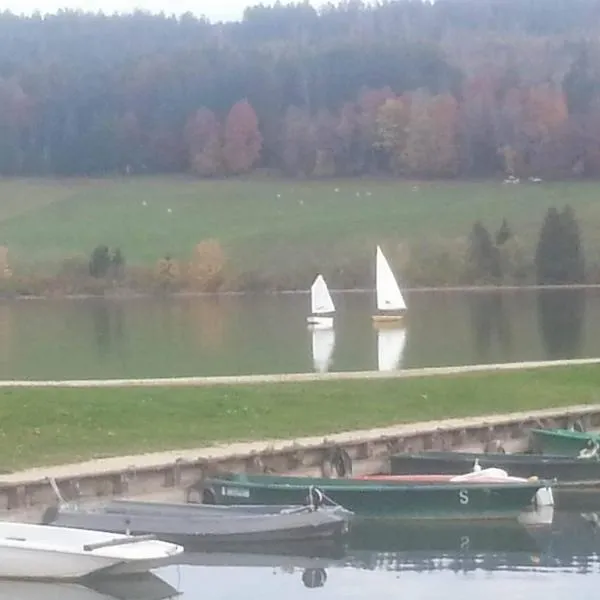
<point x="135" y="295"/>
<point x="175" y="470"/>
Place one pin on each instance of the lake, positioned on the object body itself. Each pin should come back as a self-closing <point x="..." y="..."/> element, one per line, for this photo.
<point x="422" y="560"/>
<point x="382" y="559"/>
<point x="257" y="334"/>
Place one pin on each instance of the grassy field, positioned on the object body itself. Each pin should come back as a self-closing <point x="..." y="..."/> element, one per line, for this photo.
<point x="269" y="224"/>
<point x="49" y="426"/>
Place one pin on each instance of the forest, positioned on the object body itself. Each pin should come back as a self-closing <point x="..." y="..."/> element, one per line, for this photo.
<point x="455" y="88"/>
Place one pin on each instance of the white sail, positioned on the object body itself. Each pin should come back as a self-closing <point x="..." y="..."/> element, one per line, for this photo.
<point x="320" y="298"/>
<point x="389" y="296"/>
<point x="390" y="347"/>
<point x="323" y="343"/>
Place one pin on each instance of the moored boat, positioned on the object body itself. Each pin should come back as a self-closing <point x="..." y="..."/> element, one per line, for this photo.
<point x="466" y="499"/>
<point x="206" y="524"/>
<point x="29" y="551"/>
<point x="562" y="468"/>
<point x="565" y="442"/>
<point x="543" y="496"/>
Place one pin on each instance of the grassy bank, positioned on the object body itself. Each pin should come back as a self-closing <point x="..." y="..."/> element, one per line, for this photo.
<point x="49" y="426"/>
<point x="276" y="234"/>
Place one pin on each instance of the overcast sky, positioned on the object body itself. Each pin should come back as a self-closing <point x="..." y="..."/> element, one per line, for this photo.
<point x="215" y="10"/>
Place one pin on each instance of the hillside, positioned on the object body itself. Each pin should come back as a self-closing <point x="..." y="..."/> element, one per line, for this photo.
<point x="454" y="88"/>
<point x="277" y="234"/>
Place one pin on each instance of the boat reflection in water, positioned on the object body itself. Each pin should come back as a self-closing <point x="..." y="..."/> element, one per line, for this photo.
<point x="393" y="544"/>
<point x="146" y="586"/>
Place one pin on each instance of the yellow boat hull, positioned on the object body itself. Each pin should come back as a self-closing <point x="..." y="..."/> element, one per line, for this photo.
<point x="389" y="320"/>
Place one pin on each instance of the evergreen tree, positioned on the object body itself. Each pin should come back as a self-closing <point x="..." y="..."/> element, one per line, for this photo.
<point x="559" y="255"/>
<point x="483" y="259"/>
<point x="504" y="233"/>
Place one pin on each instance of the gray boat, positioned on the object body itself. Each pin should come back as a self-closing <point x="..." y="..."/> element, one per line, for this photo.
<point x="202" y="523"/>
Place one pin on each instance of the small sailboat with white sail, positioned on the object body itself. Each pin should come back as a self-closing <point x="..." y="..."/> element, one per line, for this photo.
<point x="321" y="304"/>
<point x="390" y="302"/>
<point x="323" y="344"/>
<point x="390" y="348"/>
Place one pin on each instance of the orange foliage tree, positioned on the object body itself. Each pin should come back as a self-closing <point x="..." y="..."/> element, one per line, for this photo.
<point x="203" y="140"/>
<point x="243" y="140"/>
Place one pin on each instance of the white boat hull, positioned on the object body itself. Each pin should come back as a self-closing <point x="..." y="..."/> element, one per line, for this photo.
<point x="39" y="552"/>
<point x="317" y="322"/>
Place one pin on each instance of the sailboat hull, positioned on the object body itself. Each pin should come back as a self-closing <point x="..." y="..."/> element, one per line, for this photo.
<point x="387" y="320"/>
<point x="317" y="322"/>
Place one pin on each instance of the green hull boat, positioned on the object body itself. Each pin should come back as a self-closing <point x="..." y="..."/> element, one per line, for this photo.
<point x="565" y="442"/>
<point x="373" y="498"/>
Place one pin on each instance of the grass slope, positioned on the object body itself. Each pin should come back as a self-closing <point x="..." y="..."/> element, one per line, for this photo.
<point x="49" y="426"/>
<point x="44" y="221"/>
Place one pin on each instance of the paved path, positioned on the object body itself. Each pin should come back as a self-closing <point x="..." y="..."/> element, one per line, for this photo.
<point x="295" y="377"/>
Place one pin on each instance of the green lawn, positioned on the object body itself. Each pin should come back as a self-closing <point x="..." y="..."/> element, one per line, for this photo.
<point x="48" y="426"/>
<point x="45" y="221"/>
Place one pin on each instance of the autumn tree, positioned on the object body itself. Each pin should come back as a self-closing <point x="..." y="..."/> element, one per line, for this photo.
<point x="243" y="141"/>
<point x="444" y="115"/>
<point x="421" y="140"/>
<point x="299" y="143"/>
<point x="203" y="140"/>
<point x="369" y="104"/>
<point x="478" y="146"/>
<point x="392" y="129"/>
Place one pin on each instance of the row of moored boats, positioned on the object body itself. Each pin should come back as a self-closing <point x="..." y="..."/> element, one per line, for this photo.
<point x="119" y="537"/>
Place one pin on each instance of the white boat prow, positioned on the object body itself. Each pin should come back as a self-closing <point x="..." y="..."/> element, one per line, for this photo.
<point x="34" y="552"/>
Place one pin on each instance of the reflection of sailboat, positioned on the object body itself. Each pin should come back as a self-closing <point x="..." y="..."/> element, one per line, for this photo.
<point x="390" y="301"/>
<point x="321" y="304"/>
<point x="390" y="347"/>
<point x="323" y="343"/>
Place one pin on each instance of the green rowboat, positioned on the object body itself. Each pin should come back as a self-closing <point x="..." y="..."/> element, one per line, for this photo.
<point x="565" y="442"/>
<point x="374" y="498"/>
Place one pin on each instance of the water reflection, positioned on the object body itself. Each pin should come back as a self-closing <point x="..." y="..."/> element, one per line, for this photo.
<point x="208" y="319"/>
<point x="377" y="548"/>
<point x="146" y="586"/>
<point x="489" y="321"/>
<point x="561" y="316"/>
<point x="108" y="326"/>
<point x="512" y="557"/>
<point x="5" y="336"/>
<point x="257" y="334"/>
<point x="391" y="343"/>
<point x="323" y="344"/>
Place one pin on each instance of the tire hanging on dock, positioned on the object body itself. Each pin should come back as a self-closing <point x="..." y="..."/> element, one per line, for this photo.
<point x="336" y="461"/>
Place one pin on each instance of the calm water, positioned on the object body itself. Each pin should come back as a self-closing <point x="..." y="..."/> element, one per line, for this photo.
<point x="385" y="560"/>
<point x="268" y="334"/>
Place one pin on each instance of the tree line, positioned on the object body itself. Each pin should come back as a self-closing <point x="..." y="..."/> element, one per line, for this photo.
<point x="559" y="255"/>
<point x="445" y="89"/>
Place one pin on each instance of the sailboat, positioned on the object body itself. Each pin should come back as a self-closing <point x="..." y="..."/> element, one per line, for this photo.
<point x="390" y="347"/>
<point x="390" y="301"/>
<point x="323" y="343"/>
<point x="321" y="304"/>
